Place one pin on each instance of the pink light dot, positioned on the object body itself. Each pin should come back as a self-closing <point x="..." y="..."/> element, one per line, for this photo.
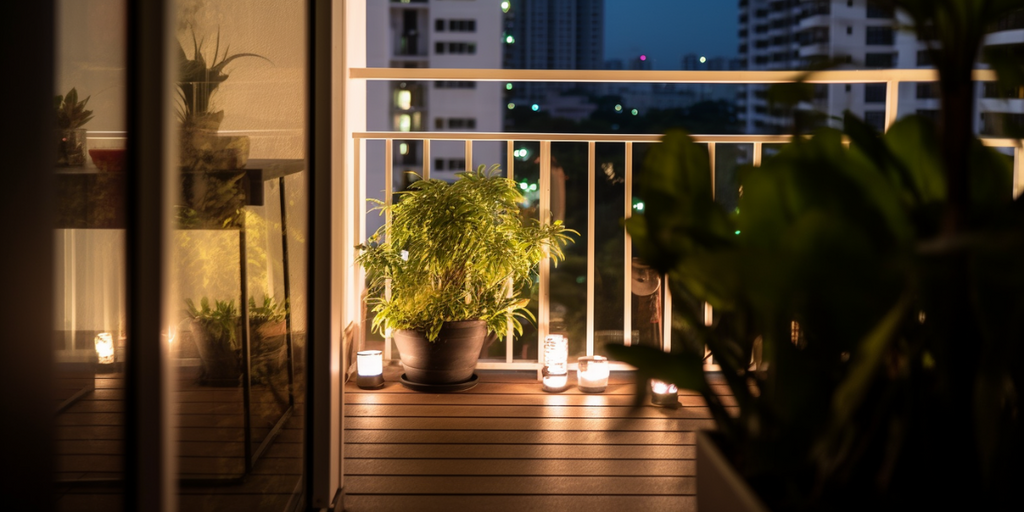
<point x="643" y="57"/>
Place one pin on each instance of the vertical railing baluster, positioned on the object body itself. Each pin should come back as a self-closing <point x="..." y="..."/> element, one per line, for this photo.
<point x="627" y="307"/>
<point x="892" y="100"/>
<point x="591" y="208"/>
<point x="359" y="229"/>
<point x="510" y="169"/>
<point x="543" y="305"/>
<point x="388" y="192"/>
<point x="426" y="159"/>
<point x="469" y="155"/>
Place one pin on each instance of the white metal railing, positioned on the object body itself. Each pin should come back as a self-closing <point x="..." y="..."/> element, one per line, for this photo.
<point x="892" y="77"/>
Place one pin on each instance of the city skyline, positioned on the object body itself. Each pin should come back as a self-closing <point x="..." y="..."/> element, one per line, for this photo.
<point x="704" y="28"/>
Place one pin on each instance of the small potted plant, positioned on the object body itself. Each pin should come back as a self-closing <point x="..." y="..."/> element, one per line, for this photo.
<point x="268" y="328"/>
<point x="216" y="333"/>
<point x="202" y="148"/>
<point x="71" y="116"/>
<point x="459" y="258"/>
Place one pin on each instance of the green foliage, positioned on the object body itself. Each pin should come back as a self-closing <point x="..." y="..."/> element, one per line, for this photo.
<point x="199" y="79"/>
<point x="897" y="259"/>
<point x="219" y="321"/>
<point x="457" y="252"/>
<point x="71" y="113"/>
<point x="269" y="312"/>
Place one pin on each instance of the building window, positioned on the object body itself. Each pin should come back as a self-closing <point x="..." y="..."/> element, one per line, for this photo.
<point x="403" y="99"/>
<point x="439" y="164"/>
<point x="439" y="123"/>
<point x="875" y="119"/>
<point x="879" y="60"/>
<point x="439" y="25"/>
<point x="450" y="164"/>
<point x="1000" y="124"/>
<point x="876" y="11"/>
<point x="874" y="93"/>
<point x="929" y="114"/>
<point x="462" y="25"/>
<point x="879" y="35"/>
<point x="457" y="123"/>
<point x="849" y="87"/>
<point x="454" y="84"/>
<point x="927" y="90"/>
<point x="465" y="48"/>
<point x="849" y="31"/>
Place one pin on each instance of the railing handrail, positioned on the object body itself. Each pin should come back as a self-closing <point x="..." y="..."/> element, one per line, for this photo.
<point x="846" y="76"/>
<point x="606" y="137"/>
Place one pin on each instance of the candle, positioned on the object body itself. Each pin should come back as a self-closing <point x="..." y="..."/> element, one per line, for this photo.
<point x="104" y="348"/>
<point x="592" y="374"/>
<point x="556" y="363"/>
<point x="664" y="393"/>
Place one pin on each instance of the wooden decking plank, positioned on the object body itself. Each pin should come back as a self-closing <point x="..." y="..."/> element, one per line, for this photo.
<point x="518" y="437"/>
<point x="584" y="485"/>
<point x="518" y="451"/>
<point x="656" y="425"/>
<point x="523" y="411"/>
<point x="519" y="503"/>
<point x="533" y="399"/>
<point x="520" y="467"/>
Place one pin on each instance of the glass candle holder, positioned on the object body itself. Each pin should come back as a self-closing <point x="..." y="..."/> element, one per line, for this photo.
<point x="664" y="393"/>
<point x="592" y="374"/>
<point x="369" y="369"/>
<point x="104" y="343"/>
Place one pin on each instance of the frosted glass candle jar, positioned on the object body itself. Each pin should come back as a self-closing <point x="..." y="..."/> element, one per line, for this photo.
<point x="369" y="369"/>
<point x="592" y="374"/>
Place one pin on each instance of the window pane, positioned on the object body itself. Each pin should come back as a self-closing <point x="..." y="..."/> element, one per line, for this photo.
<point x="241" y="243"/>
<point x="89" y="270"/>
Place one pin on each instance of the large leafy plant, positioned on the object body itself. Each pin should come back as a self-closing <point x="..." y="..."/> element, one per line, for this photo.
<point x="457" y="252"/>
<point x="199" y="78"/>
<point x="878" y="290"/>
<point x="71" y="113"/>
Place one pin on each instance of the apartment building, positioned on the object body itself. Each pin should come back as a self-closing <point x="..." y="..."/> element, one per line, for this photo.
<point x="433" y="34"/>
<point x="853" y="34"/>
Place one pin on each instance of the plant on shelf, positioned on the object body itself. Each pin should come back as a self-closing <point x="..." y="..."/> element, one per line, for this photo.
<point x="878" y="290"/>
<point x="454" y="264"/>
<point x="71" y="117"/>
<point x="268" y="326"/>
<point x="212" y="199"/>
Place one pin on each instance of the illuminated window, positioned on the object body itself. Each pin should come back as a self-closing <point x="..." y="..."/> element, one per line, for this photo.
<point x="403" y="99"/>
<point x="404" y="123"/>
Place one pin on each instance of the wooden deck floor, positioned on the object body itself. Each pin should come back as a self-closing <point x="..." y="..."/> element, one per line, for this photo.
<point x="507" y="445"/>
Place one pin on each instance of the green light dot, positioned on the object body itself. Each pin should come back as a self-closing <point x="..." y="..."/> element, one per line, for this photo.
<point x="508" y="86"/>
<point x="737" y="231"/>
<point x="511" y="106"/>
<point x="635" y="112"/>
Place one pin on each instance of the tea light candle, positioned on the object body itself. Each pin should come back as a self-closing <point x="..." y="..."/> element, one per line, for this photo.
<point x="104" y="348"/>
<point x="369" y="369"/>
<point x="664" y="393"/>
<point x="592" y="374"/>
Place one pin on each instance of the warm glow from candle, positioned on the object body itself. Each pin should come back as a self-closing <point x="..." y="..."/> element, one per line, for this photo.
<point x="592" y="373"/>
<point x="369" y="363"/>
<point x="104" y="348"/>
<point x="556" y="354"/>
<point x="663" y="388"/>
<point x="555" y="381"/>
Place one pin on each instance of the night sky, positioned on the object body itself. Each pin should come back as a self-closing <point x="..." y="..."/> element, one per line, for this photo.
<point x="665" y="30"/>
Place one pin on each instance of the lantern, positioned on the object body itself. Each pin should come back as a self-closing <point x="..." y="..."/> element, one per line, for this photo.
<point x="104" y="348"/>
<point x="556" y="365"/>
<point x="369" y="369"/>
<point x="592" y="374"/>
<point x="664" y="393"/>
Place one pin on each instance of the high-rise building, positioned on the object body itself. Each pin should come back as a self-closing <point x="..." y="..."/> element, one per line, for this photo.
<point x="553" y="34"/>
<point x="433" y="34"/>
<point x="850" y="34"/>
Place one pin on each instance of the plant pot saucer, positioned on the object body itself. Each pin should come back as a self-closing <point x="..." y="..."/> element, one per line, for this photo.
<point x="440" y="388"/>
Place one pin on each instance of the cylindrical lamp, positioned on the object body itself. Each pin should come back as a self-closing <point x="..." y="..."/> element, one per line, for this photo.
<point x="664" y="393"/>
<point x="370" y="369"/>
<point x="592" y="374"/>
<point x="556" y="363"/>
<point x="104" y="343"/>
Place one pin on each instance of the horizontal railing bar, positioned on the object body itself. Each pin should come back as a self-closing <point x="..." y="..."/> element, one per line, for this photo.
<point x="701" y="77"/>
<point x="607" y="137"/>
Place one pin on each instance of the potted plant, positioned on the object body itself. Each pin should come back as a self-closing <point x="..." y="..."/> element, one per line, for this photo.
<point x="453" y="266"/>
<point x="202" y="147"/>
<point x="216" y="333"/>
<point x="268" y="327"/>
<point x="212" y="189"/>
<point x="880" y="285"/>
<point x="71" y="116"/>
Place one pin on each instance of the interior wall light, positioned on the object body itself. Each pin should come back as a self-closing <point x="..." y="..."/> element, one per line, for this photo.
<point x="104" y="343"/>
